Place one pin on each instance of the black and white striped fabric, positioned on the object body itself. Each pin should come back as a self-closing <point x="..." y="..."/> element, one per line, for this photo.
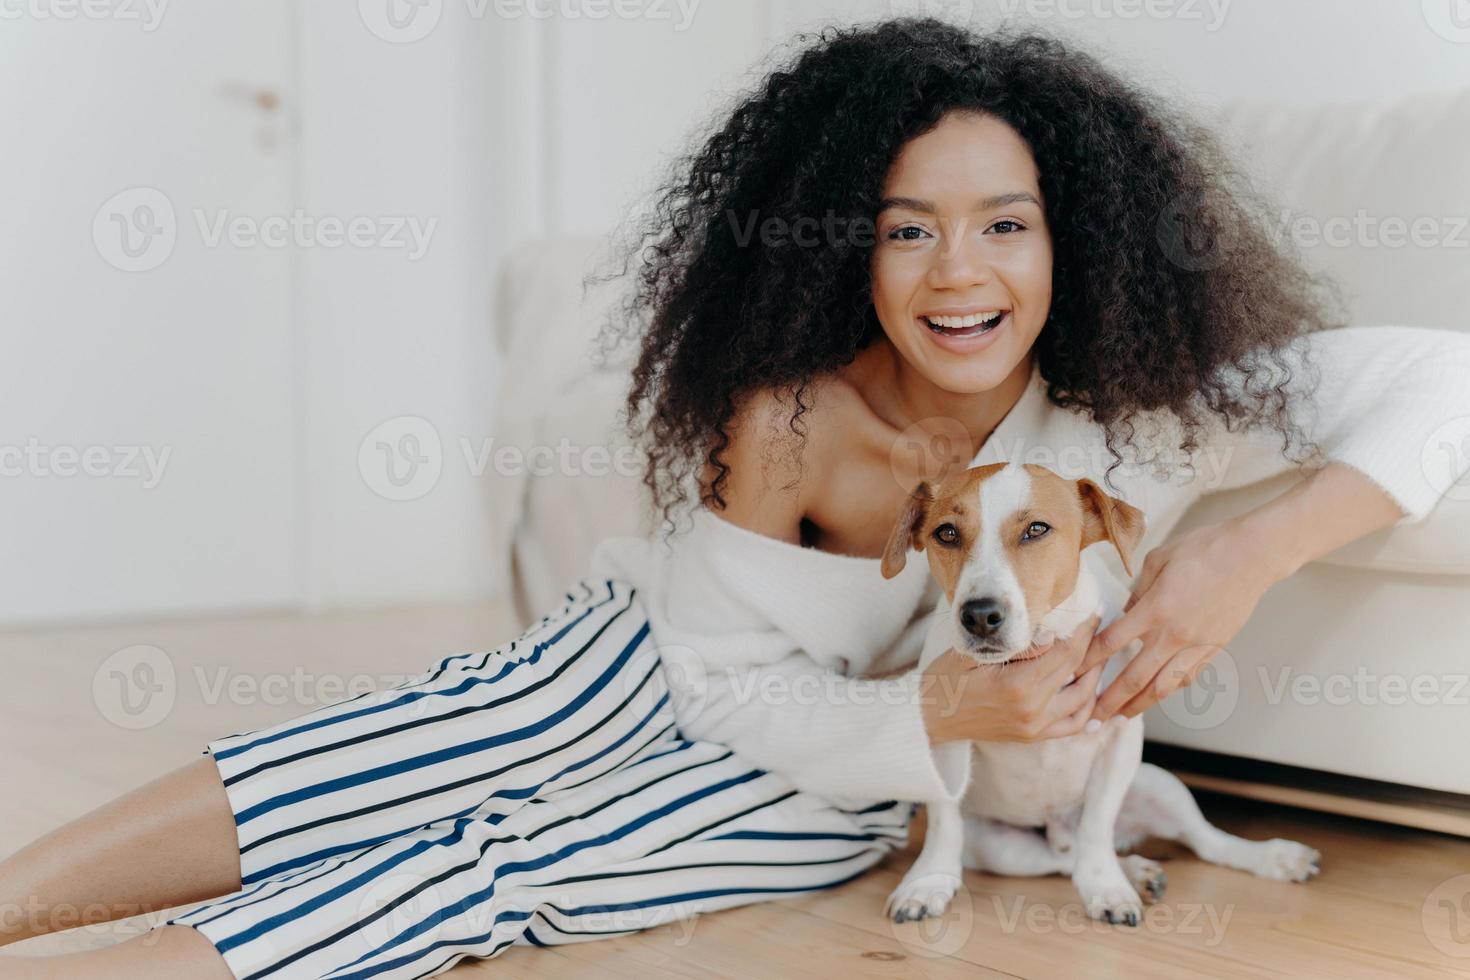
<point x="537" y="794"/>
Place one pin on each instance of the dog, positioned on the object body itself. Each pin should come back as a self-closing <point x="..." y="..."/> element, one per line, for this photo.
<point x="1007" y="545"/>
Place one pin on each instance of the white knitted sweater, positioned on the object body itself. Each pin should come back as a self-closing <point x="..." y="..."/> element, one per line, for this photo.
<point x="761" y="640"/>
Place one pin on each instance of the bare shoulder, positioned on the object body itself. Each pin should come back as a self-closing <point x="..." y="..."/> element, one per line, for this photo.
<point x="777" y="469"/>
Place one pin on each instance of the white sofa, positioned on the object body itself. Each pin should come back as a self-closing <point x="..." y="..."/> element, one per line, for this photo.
<point x="1355" y="665"/>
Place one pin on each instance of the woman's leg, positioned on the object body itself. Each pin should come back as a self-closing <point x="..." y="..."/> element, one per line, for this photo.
<point x="167" y="843"/>
<point x="538" y="795"/>
<point x="472" y="738"/>
<point x="173" y="951"/>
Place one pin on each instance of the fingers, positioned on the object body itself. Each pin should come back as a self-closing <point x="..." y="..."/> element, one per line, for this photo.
<point x="1152" y="565"/>
<point x="1066" y="657"/>
<point x="1074" y="696"/>
<point x="1136" y="677"/>
<point x="1176" y="674"/>
<point x="1121" y="632"/>
<point x="1076" y="720"/>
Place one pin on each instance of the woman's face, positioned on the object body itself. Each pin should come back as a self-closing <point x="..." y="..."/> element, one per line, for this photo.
<point x="962" y="262"/>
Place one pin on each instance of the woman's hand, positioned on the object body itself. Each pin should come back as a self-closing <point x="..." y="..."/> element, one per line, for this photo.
<point x="1193" y="596"/>
<point x="1195" y="593"/>
<point x="1021" y="701"/>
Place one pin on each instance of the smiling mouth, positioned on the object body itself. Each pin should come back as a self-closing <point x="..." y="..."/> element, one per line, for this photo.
<point x="973" y="325"/>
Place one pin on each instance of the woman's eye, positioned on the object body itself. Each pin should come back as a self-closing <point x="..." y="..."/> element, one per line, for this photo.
<point x="1007" y="227"/>
<point x="947" y="534"/>
<point x="1035" y="530"/>
<point x="907" y="233"/>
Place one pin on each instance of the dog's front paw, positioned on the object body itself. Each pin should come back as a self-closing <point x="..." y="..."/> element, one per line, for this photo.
<point x="1286" y="860"/>
<point x="921" y="896"/>
<point x="1114" y="901"/>
<point x="1146" y="876"/>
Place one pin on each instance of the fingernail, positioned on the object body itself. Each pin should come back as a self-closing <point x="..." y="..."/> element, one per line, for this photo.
<point x="1093" y="727"/>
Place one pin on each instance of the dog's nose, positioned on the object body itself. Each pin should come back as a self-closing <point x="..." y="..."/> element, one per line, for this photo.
<point x="983" y="617"/>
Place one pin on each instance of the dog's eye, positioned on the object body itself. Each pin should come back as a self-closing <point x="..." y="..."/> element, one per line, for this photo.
<point x="1035" y="530"/>
<point x="947" y="534"/>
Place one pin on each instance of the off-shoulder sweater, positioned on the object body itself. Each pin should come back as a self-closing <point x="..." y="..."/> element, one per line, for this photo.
<point x="763" y="641"/>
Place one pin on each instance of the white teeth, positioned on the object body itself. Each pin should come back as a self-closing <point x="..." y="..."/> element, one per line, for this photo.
<point x="961" y="322"/>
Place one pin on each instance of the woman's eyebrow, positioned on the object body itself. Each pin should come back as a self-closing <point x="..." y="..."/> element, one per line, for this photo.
<point x="984" y="204"/>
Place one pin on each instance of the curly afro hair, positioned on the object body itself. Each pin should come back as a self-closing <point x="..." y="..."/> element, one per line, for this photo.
<point x="1163" y="280"/>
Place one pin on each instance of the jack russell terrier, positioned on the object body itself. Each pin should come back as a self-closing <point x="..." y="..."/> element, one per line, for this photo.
<point x="1007" y="545"/>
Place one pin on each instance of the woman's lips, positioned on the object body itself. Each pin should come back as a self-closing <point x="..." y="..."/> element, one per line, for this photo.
<point x="968" y="339"/>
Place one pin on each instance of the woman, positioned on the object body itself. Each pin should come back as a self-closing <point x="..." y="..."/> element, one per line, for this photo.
<point x="908" y="230"/>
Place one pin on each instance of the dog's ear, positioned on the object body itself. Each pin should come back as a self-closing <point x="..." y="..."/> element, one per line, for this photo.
<point x="905" y="532"/>
<point x="1106" y="518"/>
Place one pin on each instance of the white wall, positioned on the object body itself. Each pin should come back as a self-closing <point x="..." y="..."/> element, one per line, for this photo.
<point x="268" y="371"/>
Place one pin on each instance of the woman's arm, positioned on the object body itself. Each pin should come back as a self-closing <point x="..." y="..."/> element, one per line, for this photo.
<point x="1233" y="563"/>
<point x="1383" y="396"/>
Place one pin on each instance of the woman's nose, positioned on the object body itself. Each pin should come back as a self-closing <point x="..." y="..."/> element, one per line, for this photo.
<point x="958" y="263"/>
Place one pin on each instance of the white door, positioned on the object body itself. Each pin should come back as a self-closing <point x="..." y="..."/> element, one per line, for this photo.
<point x="148" y="451"/>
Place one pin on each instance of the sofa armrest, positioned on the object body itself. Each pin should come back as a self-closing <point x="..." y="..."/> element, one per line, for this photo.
<point x="1437" y="545"/>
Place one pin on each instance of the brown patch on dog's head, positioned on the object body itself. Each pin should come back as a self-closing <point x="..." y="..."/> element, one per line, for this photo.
<point x="906" y="531"/>
<point x="1106" y="518"/>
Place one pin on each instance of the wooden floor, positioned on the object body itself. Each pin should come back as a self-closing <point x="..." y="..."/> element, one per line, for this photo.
<point x="1390" y="903"/>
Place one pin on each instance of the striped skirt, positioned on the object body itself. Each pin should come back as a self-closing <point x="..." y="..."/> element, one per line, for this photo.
<point x="538" y="794"/>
